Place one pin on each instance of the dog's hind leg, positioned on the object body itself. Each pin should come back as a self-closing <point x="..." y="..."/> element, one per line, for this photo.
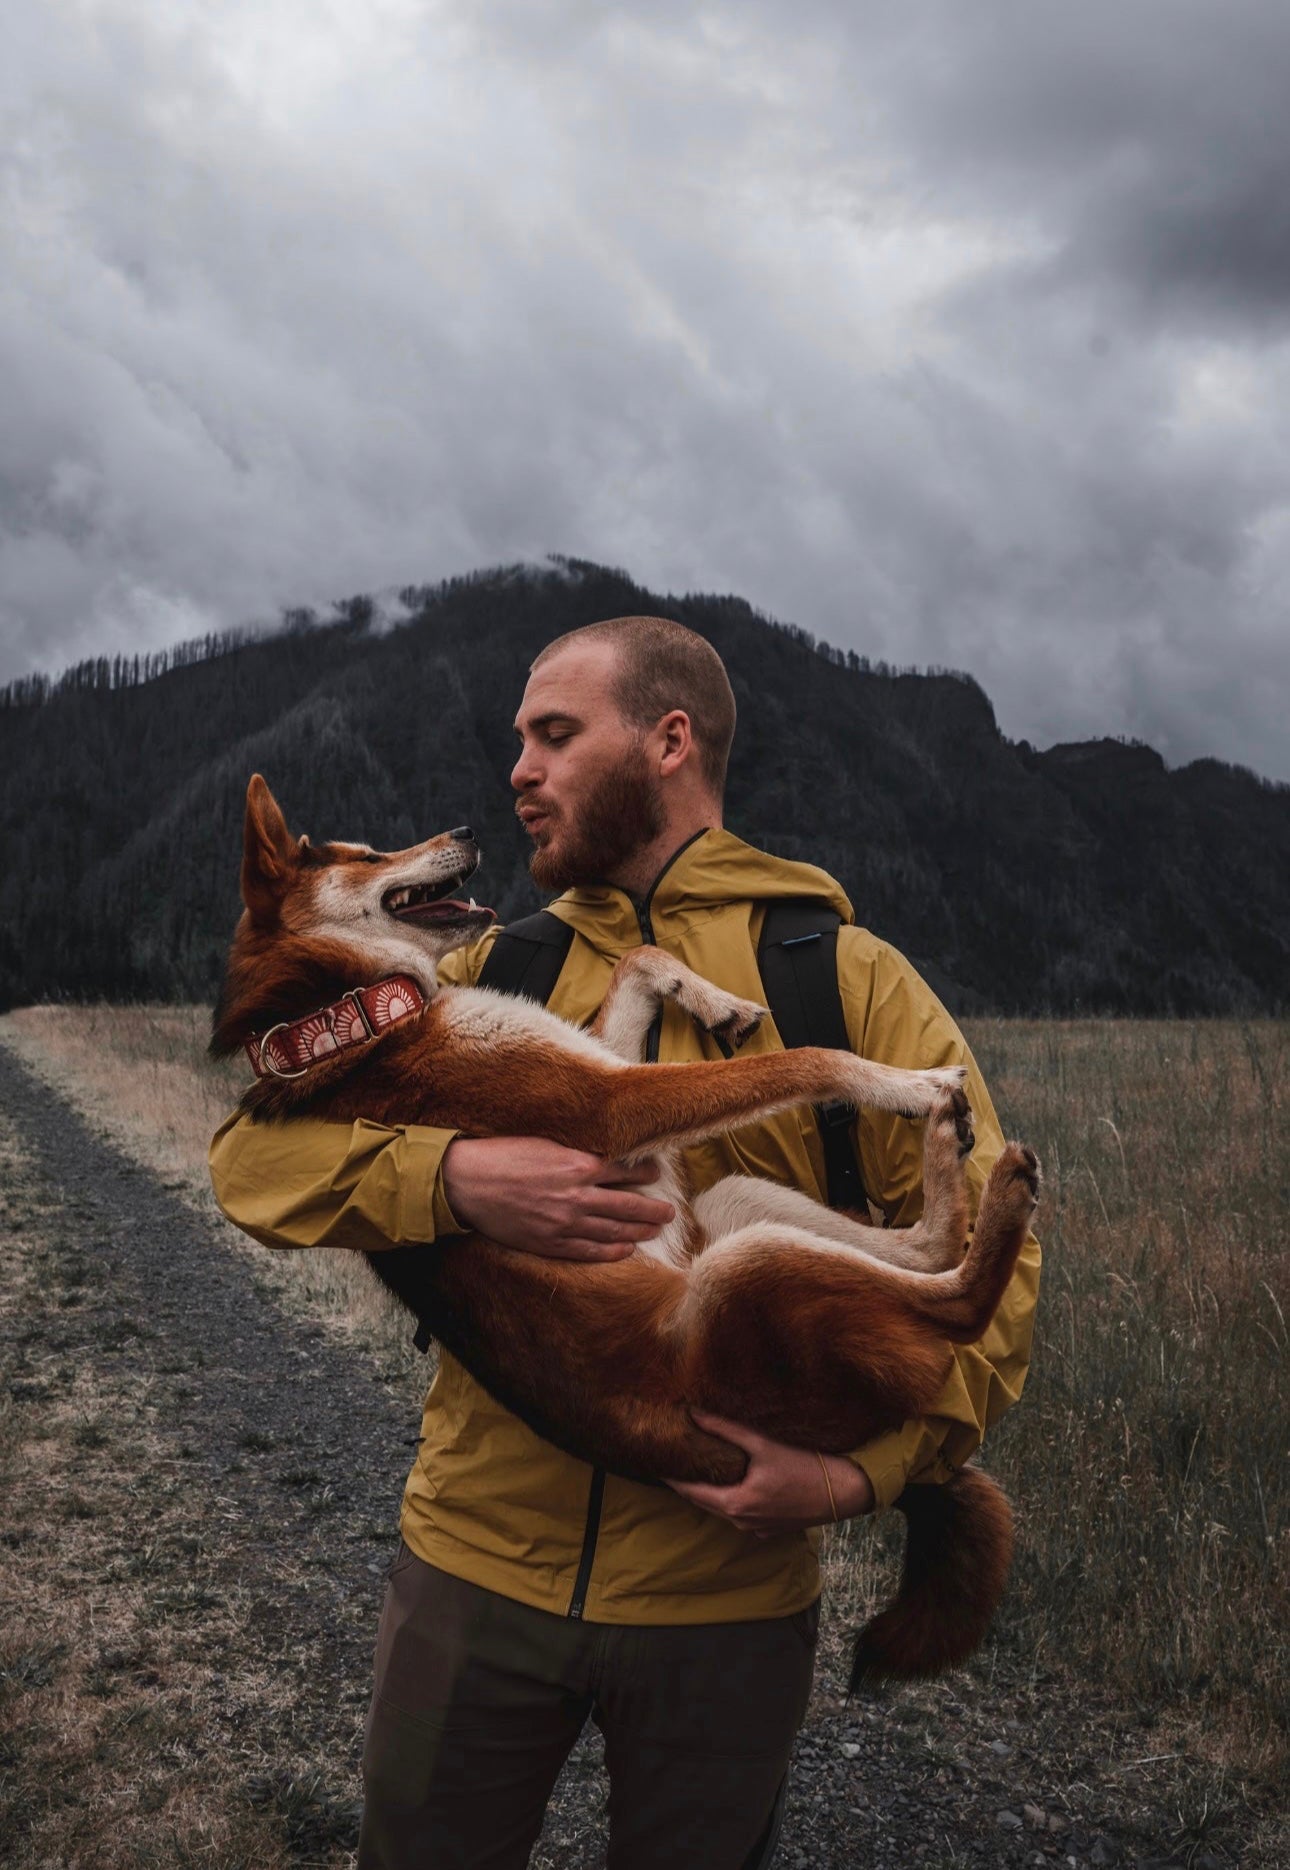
<point x="962" y="1303"/>
<point x="642" y="980"/>
<point x="932" y="1245"/>
<point x="821" y="1347"/>
<point x="828" y="1347"/>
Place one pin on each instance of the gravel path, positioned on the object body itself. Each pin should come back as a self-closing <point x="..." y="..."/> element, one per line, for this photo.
<point x="298" y="1453"/>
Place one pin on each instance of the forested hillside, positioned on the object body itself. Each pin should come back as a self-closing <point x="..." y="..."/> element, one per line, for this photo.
<point x="1083" y="877"/>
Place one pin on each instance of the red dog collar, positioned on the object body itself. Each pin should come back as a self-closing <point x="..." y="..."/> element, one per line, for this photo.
<point x="290" y="1048"/>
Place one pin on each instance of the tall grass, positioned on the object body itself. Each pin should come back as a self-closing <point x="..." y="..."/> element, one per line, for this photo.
<point x="1149" y="1455"/>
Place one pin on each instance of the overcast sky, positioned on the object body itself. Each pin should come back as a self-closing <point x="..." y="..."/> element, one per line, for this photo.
<point x="957" y="333"/>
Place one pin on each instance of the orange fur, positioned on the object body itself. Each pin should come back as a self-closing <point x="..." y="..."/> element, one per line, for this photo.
<point x="816" y="1342"/>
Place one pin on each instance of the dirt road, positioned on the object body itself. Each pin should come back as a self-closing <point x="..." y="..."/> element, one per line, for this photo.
<point x="201" y="1502"/>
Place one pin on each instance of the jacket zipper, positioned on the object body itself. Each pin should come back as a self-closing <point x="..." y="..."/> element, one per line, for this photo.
<point x="595" y="1500"/>
<point x="596" y="1496"/>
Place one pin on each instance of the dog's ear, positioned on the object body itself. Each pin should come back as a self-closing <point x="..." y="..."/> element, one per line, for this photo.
<point x="268" y="853"/>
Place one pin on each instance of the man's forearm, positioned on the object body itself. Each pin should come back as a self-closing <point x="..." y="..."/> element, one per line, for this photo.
<point x="850" y="1489"/>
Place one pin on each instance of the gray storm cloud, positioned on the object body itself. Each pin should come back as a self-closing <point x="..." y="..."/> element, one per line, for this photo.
<point x="958" y="335"/>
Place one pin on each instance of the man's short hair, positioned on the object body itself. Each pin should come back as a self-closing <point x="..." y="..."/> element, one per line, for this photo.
<point x="662" y="665"/>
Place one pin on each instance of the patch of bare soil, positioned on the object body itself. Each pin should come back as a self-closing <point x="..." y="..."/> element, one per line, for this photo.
<point x="200" y="1501"/>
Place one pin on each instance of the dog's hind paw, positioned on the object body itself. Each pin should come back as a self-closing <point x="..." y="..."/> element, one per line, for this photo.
<point x="1014" y="1181"/>
<point x="955" y="1113"/>
<point x="1025" y="1168"/>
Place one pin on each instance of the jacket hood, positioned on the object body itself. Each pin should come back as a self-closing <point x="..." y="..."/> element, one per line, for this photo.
<point x="713" y="870"/>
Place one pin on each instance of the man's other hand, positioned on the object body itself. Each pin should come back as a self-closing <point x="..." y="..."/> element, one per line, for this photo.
<point x="783" y="1489"/>
<point x="540" y="1197"/>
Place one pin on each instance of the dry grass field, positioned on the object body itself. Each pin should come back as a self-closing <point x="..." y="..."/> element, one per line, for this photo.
<point x="1149" y="1455"/>
<point x="142" y="1075"/>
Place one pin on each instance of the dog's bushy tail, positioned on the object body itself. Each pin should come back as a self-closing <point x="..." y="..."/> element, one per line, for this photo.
<point x="958" y="1549"/>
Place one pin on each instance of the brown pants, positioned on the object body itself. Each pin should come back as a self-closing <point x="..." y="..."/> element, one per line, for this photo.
<point x="478" y="1701"/>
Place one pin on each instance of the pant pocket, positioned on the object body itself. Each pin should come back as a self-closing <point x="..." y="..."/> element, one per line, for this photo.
<point x="401" y="1560"/>
<point x="806" y="1624"/>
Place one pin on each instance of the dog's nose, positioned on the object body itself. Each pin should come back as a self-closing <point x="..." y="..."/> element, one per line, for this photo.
<point x="463" y="834"/>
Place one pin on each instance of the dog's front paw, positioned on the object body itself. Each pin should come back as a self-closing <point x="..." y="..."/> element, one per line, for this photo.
<point x="927" y="1090"/>
<point x="734" y="1020"/>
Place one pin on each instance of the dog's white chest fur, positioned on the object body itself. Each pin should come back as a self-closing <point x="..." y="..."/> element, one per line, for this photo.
<point x="669" y="1247"/>
<point x="479" y="1016"/>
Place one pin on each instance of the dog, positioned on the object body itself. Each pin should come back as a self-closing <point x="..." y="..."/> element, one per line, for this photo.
<point x="755" y="1302"/>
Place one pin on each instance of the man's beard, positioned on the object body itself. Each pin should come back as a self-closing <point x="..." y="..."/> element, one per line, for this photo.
<point x="621" y="815"/>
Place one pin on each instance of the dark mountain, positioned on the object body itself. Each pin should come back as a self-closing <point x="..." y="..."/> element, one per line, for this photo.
<point x="1084" y="877"/>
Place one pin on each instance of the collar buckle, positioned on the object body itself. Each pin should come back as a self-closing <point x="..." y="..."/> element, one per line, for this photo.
<point x="267" y="1061"/>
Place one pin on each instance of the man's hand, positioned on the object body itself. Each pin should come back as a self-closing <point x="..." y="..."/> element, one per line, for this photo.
<point x="525" y="1192"/>
<point x="784" y="1489"/>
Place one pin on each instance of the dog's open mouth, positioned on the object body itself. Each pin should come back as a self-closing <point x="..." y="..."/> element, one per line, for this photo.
<point x="432" y="902"/>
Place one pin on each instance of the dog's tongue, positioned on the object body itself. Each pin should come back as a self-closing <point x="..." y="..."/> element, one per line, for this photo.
<point x="449" y="911"/>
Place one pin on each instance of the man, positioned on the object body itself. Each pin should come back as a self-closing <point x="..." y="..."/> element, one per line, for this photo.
<point x="529" y="1590"/>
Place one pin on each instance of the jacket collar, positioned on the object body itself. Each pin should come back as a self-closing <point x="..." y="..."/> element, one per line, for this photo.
<point x="708" y="872"/>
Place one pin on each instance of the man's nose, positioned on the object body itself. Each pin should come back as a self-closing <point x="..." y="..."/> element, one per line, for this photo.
<point x="525" y="772"/>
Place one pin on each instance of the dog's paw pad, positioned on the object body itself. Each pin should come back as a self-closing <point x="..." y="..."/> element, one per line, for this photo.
<point x="1022" y="1165"/>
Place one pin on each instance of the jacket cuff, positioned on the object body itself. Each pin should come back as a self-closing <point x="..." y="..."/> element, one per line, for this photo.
<point x="424" y="1211"/>
<point x="891" y="1460"/>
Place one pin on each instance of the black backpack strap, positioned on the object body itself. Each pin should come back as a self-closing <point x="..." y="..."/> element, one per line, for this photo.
<point x="526" y="958"/>
<point x="797" y="956"/>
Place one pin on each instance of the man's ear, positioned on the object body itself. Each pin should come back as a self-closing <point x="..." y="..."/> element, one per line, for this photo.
<point x="676" y="741"/>
<point x="268" y="852"/>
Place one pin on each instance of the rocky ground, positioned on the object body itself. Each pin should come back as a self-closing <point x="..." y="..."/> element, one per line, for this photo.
<point x="201" y="1498"/>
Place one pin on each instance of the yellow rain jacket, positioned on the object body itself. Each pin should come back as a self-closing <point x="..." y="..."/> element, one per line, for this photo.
<point x="487" y="1499"/>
